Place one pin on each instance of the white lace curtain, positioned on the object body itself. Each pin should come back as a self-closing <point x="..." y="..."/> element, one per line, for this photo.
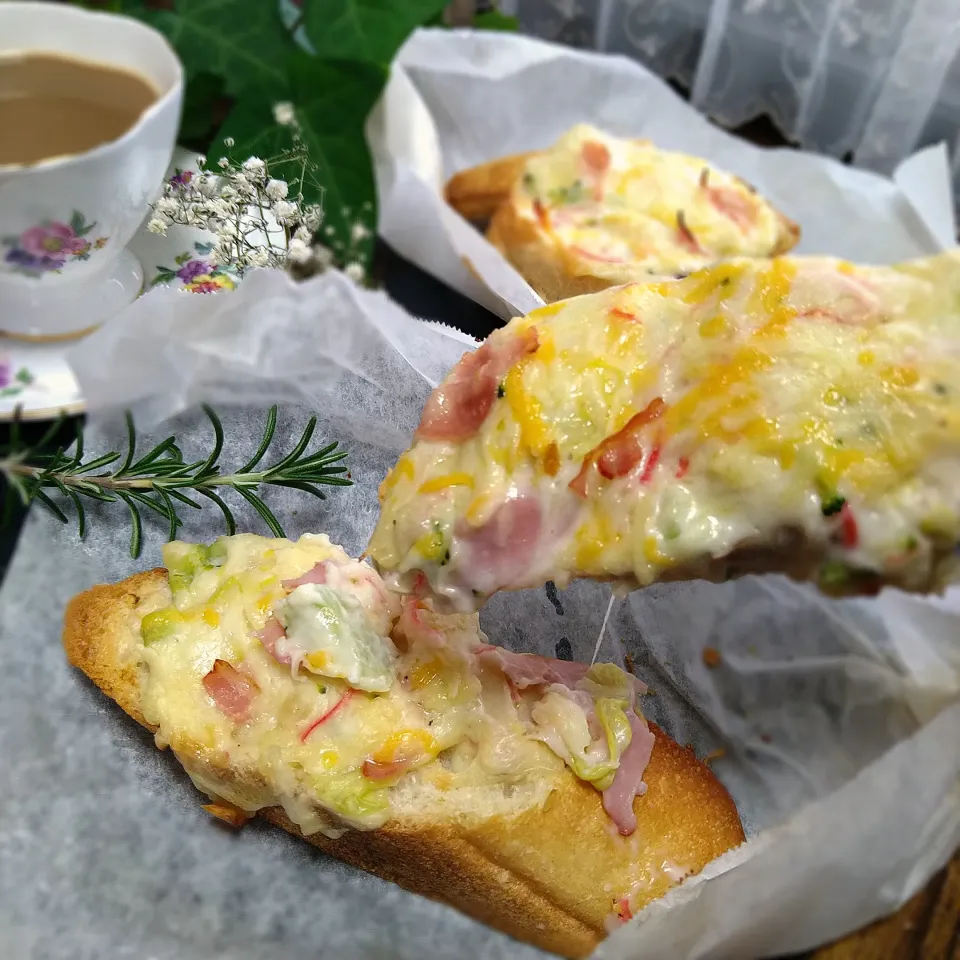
<point x="871" y="80"/>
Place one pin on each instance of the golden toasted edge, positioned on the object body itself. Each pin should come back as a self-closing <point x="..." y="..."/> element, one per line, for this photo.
<point x="477" y="193"/>
<point x="538" y="876"/>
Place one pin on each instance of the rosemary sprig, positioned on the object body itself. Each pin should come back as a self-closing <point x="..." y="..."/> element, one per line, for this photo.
<point x="157" y="480"/>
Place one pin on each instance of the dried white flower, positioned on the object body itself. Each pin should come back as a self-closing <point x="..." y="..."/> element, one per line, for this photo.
<point x="284" y="114"/>
<point x="258" y="220"/>
<point x="299" y="252"/>
<point x="201" y="160"/>
<point x="276" y="189"/>
<point x="355" y="272"/>
<point x="228" y="142"/>
<point x="284" y="211"/>
<point x="167" y="206"/>
<point x="254" y="167"/>
<point x="359" y="232"/>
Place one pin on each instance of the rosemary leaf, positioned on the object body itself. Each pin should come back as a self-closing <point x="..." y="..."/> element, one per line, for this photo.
<point x="160" y="479"/>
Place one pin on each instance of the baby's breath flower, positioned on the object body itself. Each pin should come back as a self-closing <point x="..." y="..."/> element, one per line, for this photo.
<point x="355" y="272"/>
<point x="228" y="142"/>
<point x="298" y="252"/>
<point x="166" y="206"/>
<point x="254" y="167"/>
<point x="284" y="211"/>
<point x="284" y="114"/>
<point x="276" y="189"/>
<point x="257" y="219"/>
<point x="359" y="232"/>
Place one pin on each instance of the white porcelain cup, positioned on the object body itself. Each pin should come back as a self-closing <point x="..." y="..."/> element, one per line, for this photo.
<point x="65" y="222"/>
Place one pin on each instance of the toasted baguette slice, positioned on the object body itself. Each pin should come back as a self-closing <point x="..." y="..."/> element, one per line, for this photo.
<point x="595" y="211"/>
<point x="796" y="415"/>
<point x="543" y="866"/>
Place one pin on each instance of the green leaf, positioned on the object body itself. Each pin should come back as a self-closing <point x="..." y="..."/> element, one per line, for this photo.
<point x="495" y="20"/>
<point x="202" y="99"/>
<point x="243" y="42"/>
<point x="76" y="222"/>
<point x="367" y="30"/>
<point x="332" y="99"/>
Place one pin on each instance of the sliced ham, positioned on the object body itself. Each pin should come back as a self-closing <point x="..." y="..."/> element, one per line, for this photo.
<point x="732" y="204"/>
<point x="230" y="690"/>
<point x="457" y="409"/>
<point x="628" y="781"/>
<point x="529" y="670"/>
<point x="316" y="574"/>
<point x="271" y="634"/>
<point x="596" y="157"/>
<point x="499" y="553"/>
<point x="384" y="771"/>
<point x="615" y="456"/>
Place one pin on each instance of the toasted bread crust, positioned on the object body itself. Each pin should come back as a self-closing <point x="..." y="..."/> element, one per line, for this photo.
<point x="550" y="876"/>
<point x="477" y="193"/>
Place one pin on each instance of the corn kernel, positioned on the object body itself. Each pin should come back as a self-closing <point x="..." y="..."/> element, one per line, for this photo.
<point x="318" y="659"/>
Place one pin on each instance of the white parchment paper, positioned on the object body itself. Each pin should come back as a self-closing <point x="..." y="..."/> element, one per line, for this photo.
<point x="457" y="99"/>
<point x="840" y="722"/>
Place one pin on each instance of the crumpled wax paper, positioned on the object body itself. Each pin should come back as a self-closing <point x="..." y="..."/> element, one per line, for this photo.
<point x="839" y="721"/>
<point x="459" y="98"/>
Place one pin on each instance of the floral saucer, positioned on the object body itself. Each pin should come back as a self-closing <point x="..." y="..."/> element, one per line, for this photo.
<point x="36" y="376"/>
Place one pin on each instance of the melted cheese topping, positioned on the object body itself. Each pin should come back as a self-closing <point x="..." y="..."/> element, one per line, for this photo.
<point x="799" y="394"/>
<point x="621" y="209"/>
<point x="331" y="755"/>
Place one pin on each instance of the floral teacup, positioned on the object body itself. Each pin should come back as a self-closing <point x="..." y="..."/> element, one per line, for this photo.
<point x="65" y="222"/>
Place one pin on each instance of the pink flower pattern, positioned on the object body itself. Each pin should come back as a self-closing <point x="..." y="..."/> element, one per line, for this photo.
<point x="48" y="246"/>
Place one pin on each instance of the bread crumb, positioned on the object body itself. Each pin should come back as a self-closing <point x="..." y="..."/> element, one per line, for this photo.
<point x="228" y="813"/>
<point x="711" y="657"/>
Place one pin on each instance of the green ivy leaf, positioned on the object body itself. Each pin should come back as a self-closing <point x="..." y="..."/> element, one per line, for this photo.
<point x="244" y="43"/>
<point x="201" y="98"/>
<point x="367" y="30"/>
<point x="332" y="99"/>
<point x="495" y="20"/>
